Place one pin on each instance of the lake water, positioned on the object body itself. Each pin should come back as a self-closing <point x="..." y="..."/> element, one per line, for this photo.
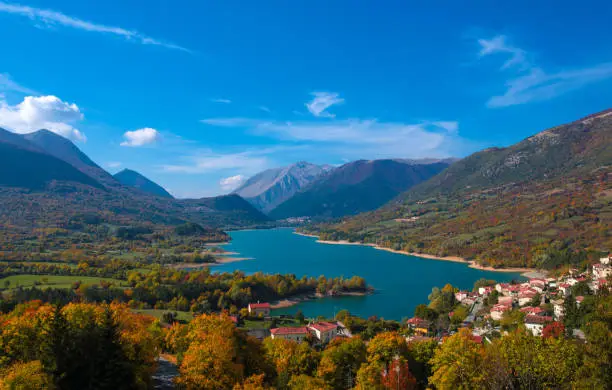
<point x="401" y="282"/>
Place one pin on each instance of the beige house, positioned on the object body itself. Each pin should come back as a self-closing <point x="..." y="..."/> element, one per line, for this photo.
<point x="256" y="309"/>
<point x="298" y="334"/>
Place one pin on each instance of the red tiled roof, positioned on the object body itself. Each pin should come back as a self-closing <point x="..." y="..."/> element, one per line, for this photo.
<point x="416" y="321"/>
<point x="579" y="298"/>
<point x="288" y="330"/>
<point x="501" y="308"/>
<point x="323" y="326"/>
<point x="259" y="305"/>
<point x="534" y="319"/>
<point x="478" y="339"/>
<point x="532" y="310"/>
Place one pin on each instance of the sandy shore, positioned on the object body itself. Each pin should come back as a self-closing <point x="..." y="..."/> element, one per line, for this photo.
<point x="219" y="261"/>
<point x="456" y="259"/>
<point x="287" y="303"/>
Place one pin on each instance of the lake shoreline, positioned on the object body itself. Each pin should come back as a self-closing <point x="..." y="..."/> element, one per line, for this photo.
<point x="455" y="259"/>
<point x="289" y="302"/>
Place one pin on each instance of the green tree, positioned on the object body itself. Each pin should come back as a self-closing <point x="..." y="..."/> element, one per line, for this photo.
<point x="340" y="362"/>
<point x="596" y="372"/>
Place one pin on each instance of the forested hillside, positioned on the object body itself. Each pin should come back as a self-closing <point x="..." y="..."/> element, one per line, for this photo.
<point x="530" y="204"/>
<point x="48" y="182"/>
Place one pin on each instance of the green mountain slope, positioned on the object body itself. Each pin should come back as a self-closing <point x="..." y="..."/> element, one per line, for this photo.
<point x="134" y="179"/>
<point x="356" y="187"/>
<point x="62" y="148"/>
<point x="531" y="204"/>
<point x="34" y="171"/>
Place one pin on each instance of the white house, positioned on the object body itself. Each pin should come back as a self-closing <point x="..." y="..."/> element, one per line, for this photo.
<point x="605" y="260"/>
<point x="601" y="271"/>
<point x="559" y="308"/>
<point x="461" y="295"/>
<point x="564" y="288"/>
<point x="526" y="295"/>
<point x="324" y="331"/>
<point x="498" y="311"/>
<point x="485" y="291"/>
<point x="536" y="323"/>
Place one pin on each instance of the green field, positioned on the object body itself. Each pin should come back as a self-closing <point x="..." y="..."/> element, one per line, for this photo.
<point x="256" y="324"/>
<point x="56" y="281"/>
<point x="181" y="315"/>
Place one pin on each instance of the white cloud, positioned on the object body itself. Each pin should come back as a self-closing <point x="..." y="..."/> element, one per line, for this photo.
<point x="265" y="109"/>
<point x="538" y="85"/>
<point x="140" y="137"/>
<point x="532" y="83"/>
<point x="52" y="18"/>
<point x="7" y="84"/>
<point x="232" y="182"/>
<point x="321" y="102"/>
<point x="498" y="45"/>
<point x="113" y="164"/>
<point x="42" y="112"/>
<point x="224" y="101"/>
<point x="209" y="161"/>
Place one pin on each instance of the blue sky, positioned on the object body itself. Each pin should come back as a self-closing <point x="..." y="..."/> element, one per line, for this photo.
<point x="199" y="95"/>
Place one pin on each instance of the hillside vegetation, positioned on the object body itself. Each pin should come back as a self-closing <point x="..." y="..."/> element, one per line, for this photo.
<point x="530" y="204"/>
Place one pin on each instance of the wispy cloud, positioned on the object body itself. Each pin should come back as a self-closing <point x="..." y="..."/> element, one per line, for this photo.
<point x="141" y="137"/>
<point x="532" y="83"/>
<point x="209" y="161"/>
<point x="224" y="101"/>
<point x="321" y="102"/>
<point x="53" y="18"/>
<point x="538" y="85"/>
<point x="42" y="112"/>
<point x="231" y="122"/>
<point x="361" y="138"/>
<point x="265" y="109"/>
<point x="113" y="164"/>
<point x="498" y="45"/>
<point x="8" y="84"/>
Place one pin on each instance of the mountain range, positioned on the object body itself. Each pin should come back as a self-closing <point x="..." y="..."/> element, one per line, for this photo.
<point x="268" y="189"/>
<point x="47" y="178"/>
<point x="356" y="187"/>
<point x="530" y="204"/>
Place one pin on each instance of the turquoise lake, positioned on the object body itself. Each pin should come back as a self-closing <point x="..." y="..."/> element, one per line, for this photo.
<point x="401" y="282"/>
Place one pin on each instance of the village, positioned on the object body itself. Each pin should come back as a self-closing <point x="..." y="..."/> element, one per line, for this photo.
<point x="538" y="301"/>
<point x="542" y="301"/>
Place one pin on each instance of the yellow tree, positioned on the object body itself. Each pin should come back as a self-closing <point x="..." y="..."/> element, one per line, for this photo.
<point x="457" y="362"/>
<point x="210" y="364"/>
<point x="212" y="360"/>
<point x="25" y="376"/>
